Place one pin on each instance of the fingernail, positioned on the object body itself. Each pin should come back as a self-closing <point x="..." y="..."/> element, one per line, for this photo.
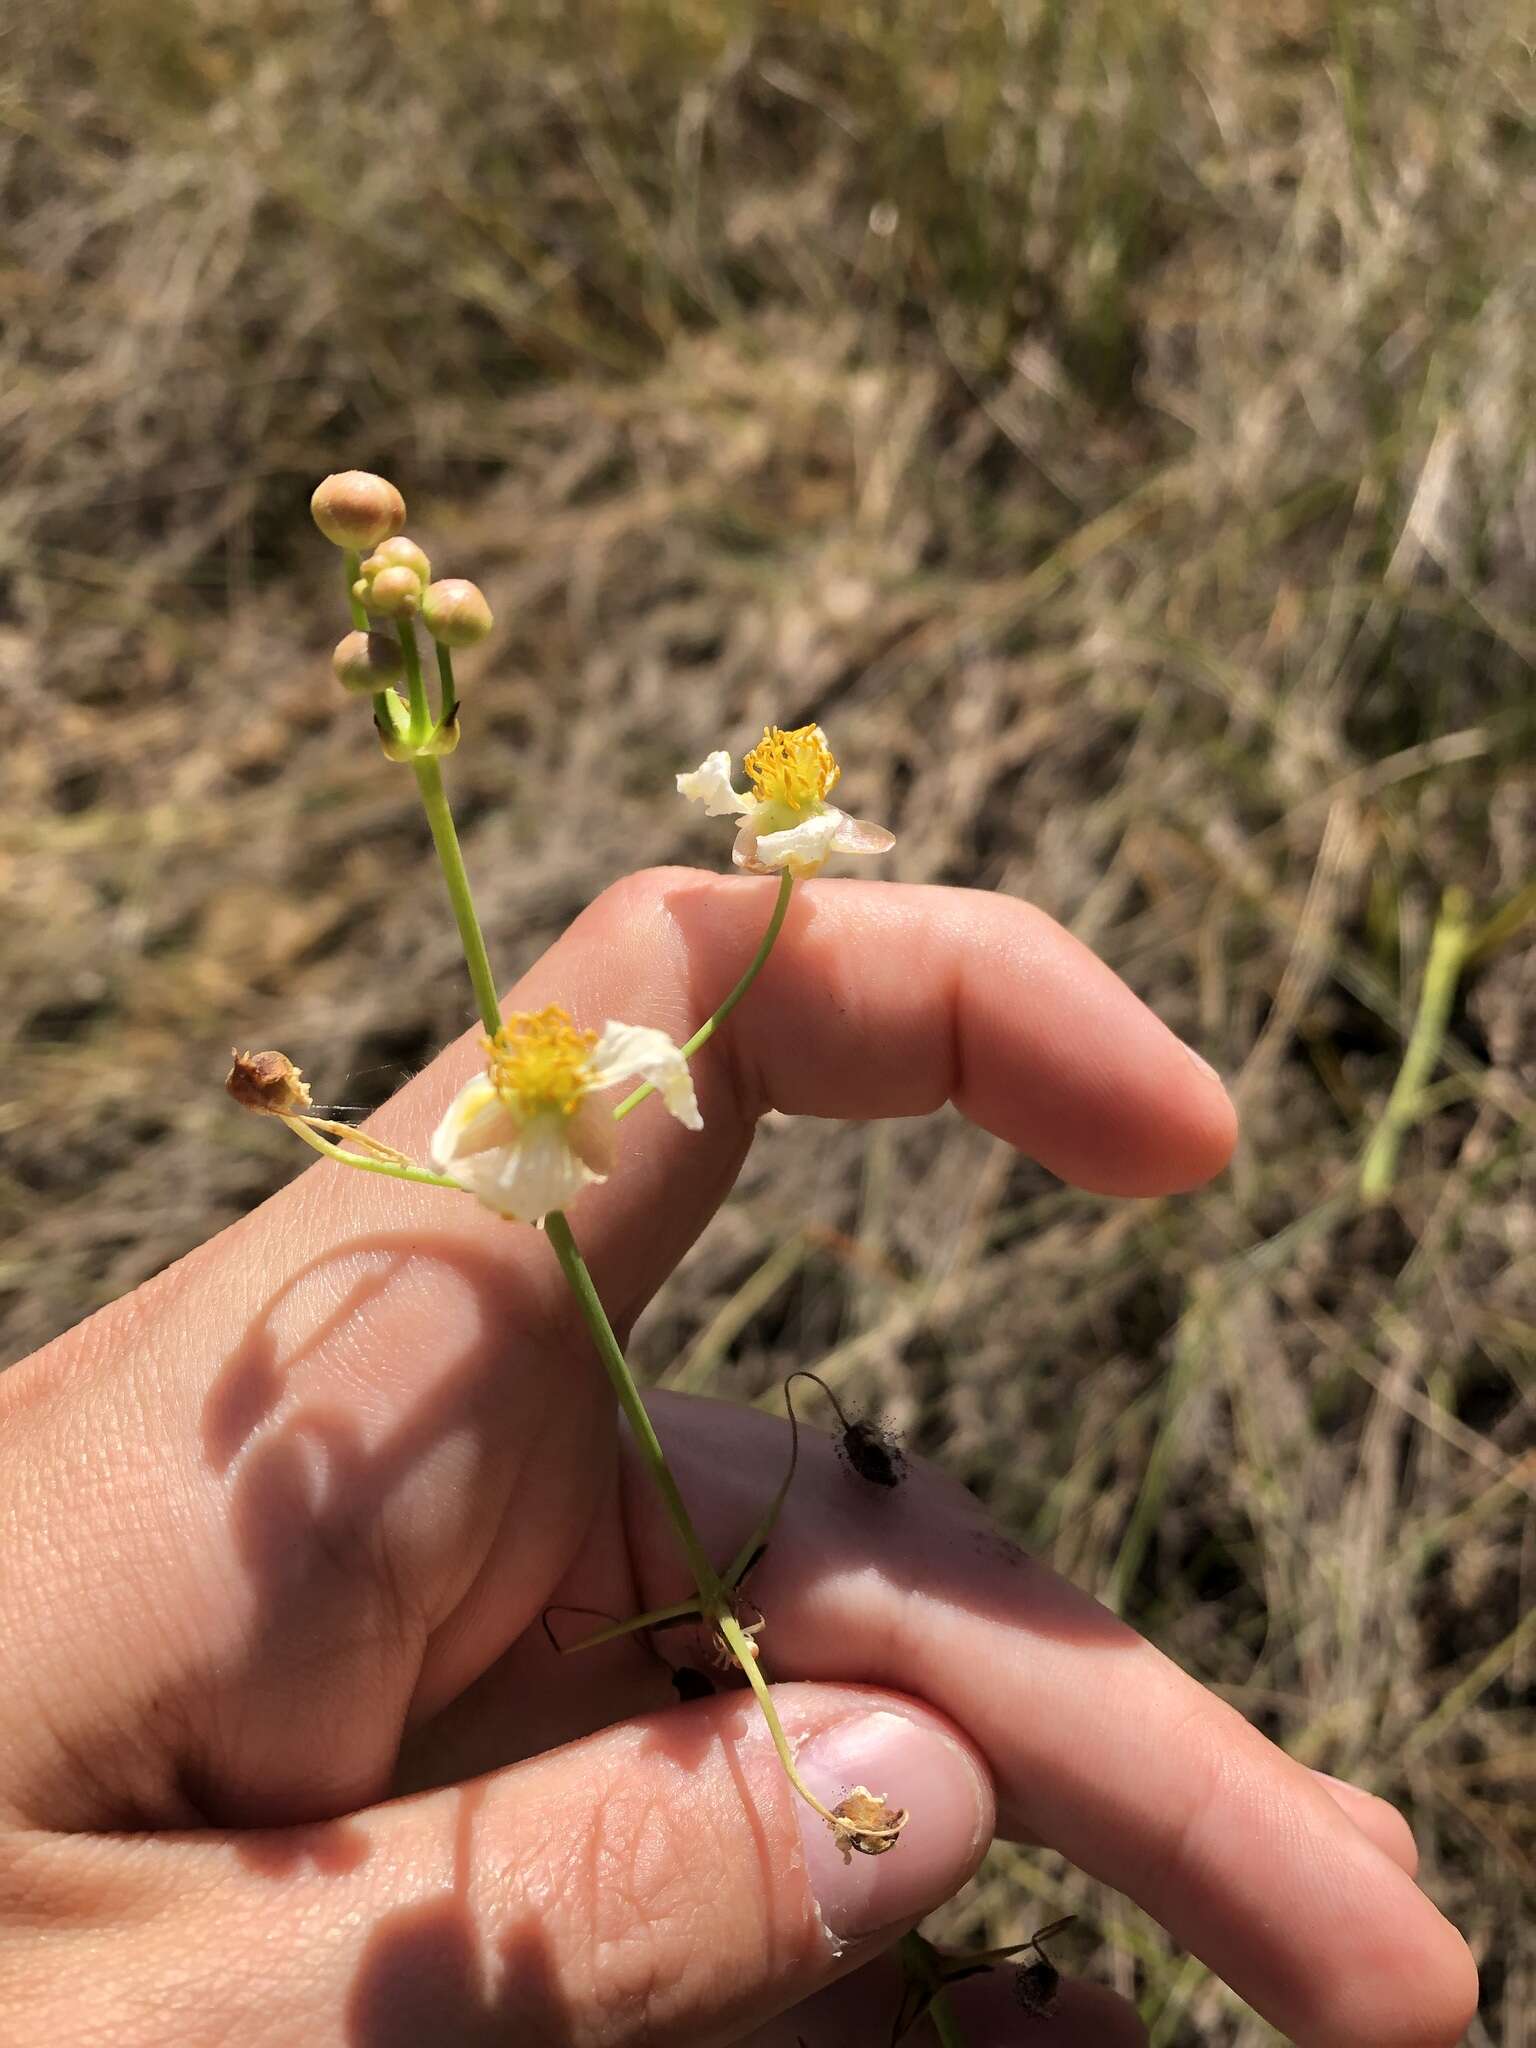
<point x="913" y="1765"/>
<point x="1202" y="1062"/>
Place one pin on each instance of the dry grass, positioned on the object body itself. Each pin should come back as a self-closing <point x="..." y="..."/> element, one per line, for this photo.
<point x="1115" y="422"/>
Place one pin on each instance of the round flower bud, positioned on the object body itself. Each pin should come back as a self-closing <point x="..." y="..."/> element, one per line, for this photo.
<point x="366" y="662"/>
<point x="356" y="509"/>
<point x="395" y="592"/>
<point x="456" y="612"/>
<point x="399" y="553"/>
<point x="393" y="578"/>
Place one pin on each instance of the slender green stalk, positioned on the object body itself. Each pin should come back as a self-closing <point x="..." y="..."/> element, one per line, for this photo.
<point x="388" y="1167"/>
<point x="945" y="2025"/>
<point x="429" y="780"/>
<point x="707" y="1030"/>
<point x="352" y="563"/>
<point x="421" y="709"/>
<point x="448" y="709"/>
<point x="1442" y="971"/>
<point x="680" y="1610"/>
<point x="745" y="1654"/>
<point x="735" y="1570"/>
<point x="574" y="1267"/>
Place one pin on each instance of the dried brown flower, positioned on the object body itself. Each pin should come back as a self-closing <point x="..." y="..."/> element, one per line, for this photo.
<point x="866" y="1822"/>
<point x="269" y="1083"/>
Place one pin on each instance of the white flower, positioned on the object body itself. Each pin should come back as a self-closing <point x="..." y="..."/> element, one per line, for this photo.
<point x="786" y="821"/>
<point x="526" y="1136"/>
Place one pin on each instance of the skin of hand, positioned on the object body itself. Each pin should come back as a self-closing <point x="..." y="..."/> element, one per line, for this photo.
<point x="286" y="1754"/>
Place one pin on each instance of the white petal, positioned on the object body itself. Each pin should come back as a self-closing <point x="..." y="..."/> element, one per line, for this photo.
<point x="526" y="1179"/>
<point x="857" y="835"/>
<point x="801" y="848"/>
<point x="477" y="1121"/>
<point x="710" y="785"/>
<point x="628" y="1052"/>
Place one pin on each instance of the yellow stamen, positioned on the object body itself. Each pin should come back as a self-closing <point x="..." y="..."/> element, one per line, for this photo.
<point x="794" y="768"/>
<point x="539" y="1060"/>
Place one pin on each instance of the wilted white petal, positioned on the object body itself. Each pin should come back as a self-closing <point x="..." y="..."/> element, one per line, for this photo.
<point x="710" y="785"/>
<point x="592" y="1136"/>
<point x="528" y="1178"/>
<point x="635" y="1052"/>
<point x="801" y="848"/>
<point x="857" y="835"/>
<point x="477" y="1121"/>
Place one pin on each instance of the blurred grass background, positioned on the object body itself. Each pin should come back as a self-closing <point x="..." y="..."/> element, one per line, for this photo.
<point x="1115" y="423"/>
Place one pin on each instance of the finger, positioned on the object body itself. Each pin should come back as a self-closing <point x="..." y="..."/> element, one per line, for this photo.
<point x="658" y="1883"/>
<point x="1099" y="1746"/>
<point x="310" y="1429"/>
<point x="1376" y="1819"/>
<point x="879" y="1000"/>
<point x="1086" y="2015"/>
<point x="857" y="2013"/>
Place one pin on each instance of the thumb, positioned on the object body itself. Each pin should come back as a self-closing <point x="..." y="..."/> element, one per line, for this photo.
<point x="655" y="1883"/>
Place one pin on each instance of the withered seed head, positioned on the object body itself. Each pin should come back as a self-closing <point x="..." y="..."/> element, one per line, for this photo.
<point x="872" y="1454"/>
<point x="269" y="1083"/>
<point x="1035" y="1986"/>
<point x="866" y="1822"/>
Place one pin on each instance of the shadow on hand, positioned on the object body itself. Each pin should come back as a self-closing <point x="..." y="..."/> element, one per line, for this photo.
<point x="319" y="1439"/>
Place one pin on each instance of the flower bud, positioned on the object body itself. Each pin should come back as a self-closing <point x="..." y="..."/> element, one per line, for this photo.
<point x="399" y="553"/>
<point x="356" y="509"/>
<point x="396" y="747"/>
<point x="393" y="578"/>
<point x="394" y="592"/>
<point x="455" y="612"/>
<point x="366" y="662"/>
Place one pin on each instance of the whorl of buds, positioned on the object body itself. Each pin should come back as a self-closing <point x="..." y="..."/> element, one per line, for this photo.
<point x="455" y="612"/>
<point x="366" y="662"/>
<point x="393" y="578"/>
<point x="269" y="1083"/>
<point x="356" y="509"/>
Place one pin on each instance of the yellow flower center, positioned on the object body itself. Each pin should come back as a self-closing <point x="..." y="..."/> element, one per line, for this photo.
<point x="794" y="768"/>
<point x="538" y="1060"/>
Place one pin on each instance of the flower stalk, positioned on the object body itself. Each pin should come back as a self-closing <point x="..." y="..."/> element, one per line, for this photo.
<point x="609" y="1350"/>
<point x="711" y="1025"/>
<point x="434" y="799"/>
<point x="524" y="1137"/>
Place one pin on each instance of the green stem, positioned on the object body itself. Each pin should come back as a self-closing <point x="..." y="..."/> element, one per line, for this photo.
<point x="421" y="710"/>
<point x="945" y="2025"/>
<point x="429" y="780"/>
<point x="364" y="1164"/>
<point x="707" y="1030"/>
<point x="765" y="1528"/>
<point x="448" y="709"/>
<point x="746" y="1656"/>
<point x="1447" y="955"/>
<point x="680" y="1610"/>
<point x="574" y="1266"/>
<point x="352" y="563"/>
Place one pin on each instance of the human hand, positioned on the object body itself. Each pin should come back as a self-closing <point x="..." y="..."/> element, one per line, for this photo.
<point x="279" y="1719"/>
